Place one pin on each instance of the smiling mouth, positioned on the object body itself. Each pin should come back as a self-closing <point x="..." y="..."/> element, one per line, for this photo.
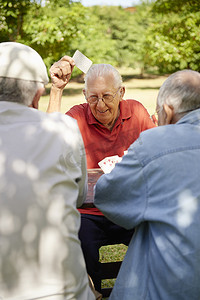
<point x="102" y="112"/>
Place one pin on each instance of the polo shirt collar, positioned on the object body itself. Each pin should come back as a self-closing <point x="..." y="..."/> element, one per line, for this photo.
<point x="125" y="110"/>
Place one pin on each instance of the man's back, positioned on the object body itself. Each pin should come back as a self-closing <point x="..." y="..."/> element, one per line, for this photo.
<point x="42" y="178"/>
<point x="162" y="184"/>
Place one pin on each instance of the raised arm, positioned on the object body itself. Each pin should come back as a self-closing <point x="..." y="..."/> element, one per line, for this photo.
<point x="60" y="73"/>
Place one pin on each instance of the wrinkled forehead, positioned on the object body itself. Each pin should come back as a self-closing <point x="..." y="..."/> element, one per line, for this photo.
<point x="101" y="83"/>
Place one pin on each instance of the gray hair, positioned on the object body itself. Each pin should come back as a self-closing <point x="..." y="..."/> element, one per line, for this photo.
<point x="18" y="90"/>
<point x="181" y="90"/>
<point x="102" y="70"/>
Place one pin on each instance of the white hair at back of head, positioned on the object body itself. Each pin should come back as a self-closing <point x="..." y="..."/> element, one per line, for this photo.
<point x="181" y="90"/>
<point x="101" y="70"/>
<point x="18" y="90"/>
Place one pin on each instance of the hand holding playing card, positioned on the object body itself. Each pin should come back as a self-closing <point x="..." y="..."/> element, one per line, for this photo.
<point x="61" y="71"/>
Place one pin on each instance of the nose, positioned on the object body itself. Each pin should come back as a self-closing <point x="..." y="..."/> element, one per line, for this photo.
<point x="100" y="103"/>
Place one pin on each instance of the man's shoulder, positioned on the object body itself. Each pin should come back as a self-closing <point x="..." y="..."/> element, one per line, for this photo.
<point x="51" y="122"/>
<point x="151" y="143"/>
<point x="60" y="119"/>
<point x="162" y="140"/>
<point x="132" y="103"/>
<point x="155" y="134"/>
<point x="133" y="107"/>
<point x="77" y="110"/>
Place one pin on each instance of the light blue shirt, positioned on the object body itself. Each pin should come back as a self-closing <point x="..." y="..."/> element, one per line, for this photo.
<point x="156" y="189"/>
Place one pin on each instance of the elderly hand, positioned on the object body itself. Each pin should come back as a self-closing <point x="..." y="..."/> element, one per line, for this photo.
<point x="61" y="71"/>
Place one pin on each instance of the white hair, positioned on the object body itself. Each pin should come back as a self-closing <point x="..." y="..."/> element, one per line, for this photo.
<point x="181" y="90"/>
<point x="102" y="70"/>
<point x="18" y="90"/>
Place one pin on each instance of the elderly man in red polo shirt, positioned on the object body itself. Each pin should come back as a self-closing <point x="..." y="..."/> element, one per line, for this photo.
<point x="109" y="125"/>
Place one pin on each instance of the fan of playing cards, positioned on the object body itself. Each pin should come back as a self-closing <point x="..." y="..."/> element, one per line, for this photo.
<point x="108" y="163"/>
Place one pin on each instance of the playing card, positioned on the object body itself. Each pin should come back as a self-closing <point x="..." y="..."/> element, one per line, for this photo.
<point x="81" y="61"/>
<point x="108" y="163"/>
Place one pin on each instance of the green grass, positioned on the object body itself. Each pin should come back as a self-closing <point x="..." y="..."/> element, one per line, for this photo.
<point x="111" y="253"/>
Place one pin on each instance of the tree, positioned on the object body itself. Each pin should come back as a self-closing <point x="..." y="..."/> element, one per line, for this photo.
<point x="51" y="30"/>
<point x="167" y="6"/>
<point x="126" y="30"/>
<point x="173" y="39"/>
<point x="12" y="15"/>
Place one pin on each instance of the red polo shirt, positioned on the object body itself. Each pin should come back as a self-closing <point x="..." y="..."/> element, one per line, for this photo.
<point x="100" y="142"/>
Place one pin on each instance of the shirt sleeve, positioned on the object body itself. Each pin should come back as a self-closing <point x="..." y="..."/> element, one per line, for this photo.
<point x="82" y="182"/>
<point x="75" y="159"/>
<point x="121" y="194"/>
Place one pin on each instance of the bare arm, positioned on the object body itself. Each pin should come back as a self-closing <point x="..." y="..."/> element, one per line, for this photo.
<point x="60" y="73"/>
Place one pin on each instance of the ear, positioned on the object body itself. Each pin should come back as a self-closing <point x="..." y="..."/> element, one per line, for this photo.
<point x="122" y="92"/>
<point x="169" y="111"/>
<point x="36" y="98"/>
<point x="84" y="92"/>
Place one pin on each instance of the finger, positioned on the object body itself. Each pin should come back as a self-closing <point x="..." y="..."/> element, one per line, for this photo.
<point x="68" y="59"/>
<point x="55" y="71"/>
<point x="65" y="67"/>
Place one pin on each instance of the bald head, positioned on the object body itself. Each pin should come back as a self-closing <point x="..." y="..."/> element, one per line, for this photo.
<point x="181" y="91"/>
<point x="103" y="70"/>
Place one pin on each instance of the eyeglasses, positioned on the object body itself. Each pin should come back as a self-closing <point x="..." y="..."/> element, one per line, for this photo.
<point x="107" y="98"/>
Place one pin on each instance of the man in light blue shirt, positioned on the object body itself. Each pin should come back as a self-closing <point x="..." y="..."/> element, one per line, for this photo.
<point x="156" y="189"/>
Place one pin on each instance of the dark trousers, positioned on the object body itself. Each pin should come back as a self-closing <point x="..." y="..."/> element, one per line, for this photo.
<point x="97" y="231"/>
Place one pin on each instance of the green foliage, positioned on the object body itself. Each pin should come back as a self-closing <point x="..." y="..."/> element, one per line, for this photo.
<point x="49" y="29"/>
<point x="168" y="6"/>
<point x="12" y="17"/>
<point x="51" y="32"/>
<point x="104" y="34"/>
<point x="161" y="35"/>
<point x="142" y="18"/>
<point x="126" y="30"/>
<point x="95" y="41"/>
<point x="173" y="39"/>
